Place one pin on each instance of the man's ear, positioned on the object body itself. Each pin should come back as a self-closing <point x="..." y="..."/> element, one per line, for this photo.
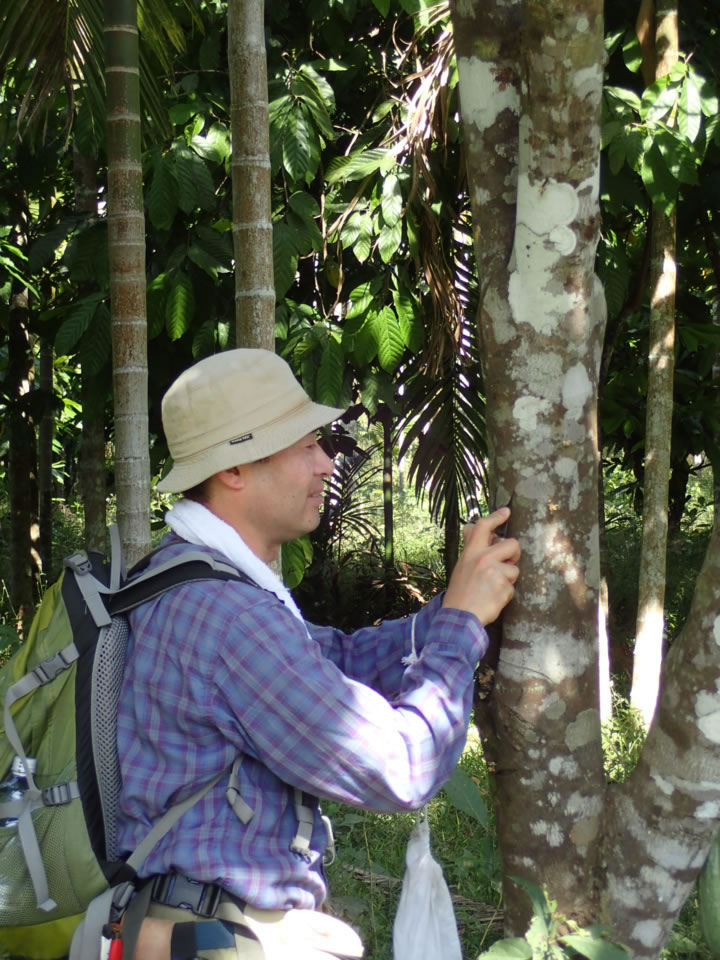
<point x="232" y="479"/>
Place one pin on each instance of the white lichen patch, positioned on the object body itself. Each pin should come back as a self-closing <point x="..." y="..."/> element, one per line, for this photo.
<point x="707" y="710"/>
<point x="553" y="654"/>
<point x="482" y="98"/>
<point x="716" y="631"/>
<point x="663" y="785"/>
<point x="584" y="730"/>
<point x="564" y="767"/>
<point x="527" y="410"/>
<point x="551" y="831"/>
<point x="648" y="932"/>
<point x="576" y="391"/>
<point x="553" y="706"/>
<point x="710" y="810"/>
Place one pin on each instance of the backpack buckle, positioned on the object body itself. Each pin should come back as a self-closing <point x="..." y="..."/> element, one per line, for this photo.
<point x="78" y="562"/>
<point x="175" y="890"/>
<point x="57" y="795"/>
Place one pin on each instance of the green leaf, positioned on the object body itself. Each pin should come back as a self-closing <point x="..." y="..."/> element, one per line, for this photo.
<point x="203" y="343"/>
<point x="596" y="948"/>
<point x="162" y="199"/>
<point x="300" y="146"/>
<point x="285" y="258"/>
<point x="304" y="204"/>
<point x="331" y="372"/>
<point x="96" y="344"/>
<point x="215" y="145"/>
<point x="156" y="300"/>
<point x="365" y="341"/>
<point x="180" y="307"/>
<point x="76" y="323"/>
<point x="391" y="345"/>
<point x="632" y="51"/>
<point x="411" y="325"/>
<point x="660" y="184"/>
<point x="43" y="249"/>
<point x="180" y="113"/>
<point x="623" y="96"/>
<point x="218" y="245"/>
<point x="296" y="558"/>
<point x="195" y="184"/>
<point x="658" y="99"/>
<point x="392" y="201"/>
<point x="389" y="241"/>
<point x="514" y="948"/>
<point x="363" y="244"/>
<point x="465" y="794"/>
<point x="360" y="164"/>
<point x="690" y="109"/>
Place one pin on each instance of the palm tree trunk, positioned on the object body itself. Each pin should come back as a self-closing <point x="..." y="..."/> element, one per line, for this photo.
<point x="126" y="245"/>
<point x="661" y="361"/>
<point x="45" y="455"/>
<point x="91" y="466"/>
<point x="252" y="227"/>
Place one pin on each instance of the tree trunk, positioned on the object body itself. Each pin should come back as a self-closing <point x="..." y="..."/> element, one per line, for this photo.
<point x="126" y="247"/>
<point x="541" y="329"/>
<point x="45" y="457"/>
<point x="385" y="417"/>
<point x="252" y="227"/>
<point x="91" y="466"/>
<point x="22" y="486"/>
<point x="658" y="425"/>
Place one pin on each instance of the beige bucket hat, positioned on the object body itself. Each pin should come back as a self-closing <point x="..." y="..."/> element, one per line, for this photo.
<point x="234" y="407"/>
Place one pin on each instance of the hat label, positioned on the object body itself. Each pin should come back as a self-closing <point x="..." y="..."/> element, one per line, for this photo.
<point x="247" y="436"/>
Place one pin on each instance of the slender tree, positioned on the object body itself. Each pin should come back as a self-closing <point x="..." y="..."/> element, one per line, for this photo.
<point x="658" y="426"/>
<point x="252" y="228"/>
<point x="126" y="247"/>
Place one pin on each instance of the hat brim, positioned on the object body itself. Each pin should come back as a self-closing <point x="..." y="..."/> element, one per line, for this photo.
<point x="246" y="448"/>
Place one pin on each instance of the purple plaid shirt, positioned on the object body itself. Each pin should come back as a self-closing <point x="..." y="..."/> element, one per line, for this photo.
<point x="220" y="668"/>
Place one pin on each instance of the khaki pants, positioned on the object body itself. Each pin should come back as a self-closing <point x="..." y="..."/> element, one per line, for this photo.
<point x="257" y="935"/>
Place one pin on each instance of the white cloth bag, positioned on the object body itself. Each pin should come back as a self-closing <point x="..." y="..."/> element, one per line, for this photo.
<point x="425" y="927"/>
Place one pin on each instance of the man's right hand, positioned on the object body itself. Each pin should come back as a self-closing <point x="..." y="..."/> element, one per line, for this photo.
<point x="484" y="577"/>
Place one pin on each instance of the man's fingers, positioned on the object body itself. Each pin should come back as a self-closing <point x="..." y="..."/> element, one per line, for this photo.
<point x="480" y="534"/>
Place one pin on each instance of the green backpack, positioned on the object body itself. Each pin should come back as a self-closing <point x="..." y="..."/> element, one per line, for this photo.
<point x="60" y="693"/>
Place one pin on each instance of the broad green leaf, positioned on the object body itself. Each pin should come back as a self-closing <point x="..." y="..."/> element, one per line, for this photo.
<point x="359" y="164"/>
<point x="162" y="199"/>
<point x="301" y="148"/>
<point x="632" y="51"/>
<point x="388" y="241"/>
<point x="709" y="102"/>
<point x="204" y="340"/>
<point x="215" y="145"/>
<point x="660" y="184"/>
<point x="156" y="298"/>
<point x="679" y="156"/>
<point x="76" y="323"/>
<point x="365" y="341"/>
<point x="351" y="229"/>
<point x="43" y="249"/>
<point x="411" y="325"/>
<point x="690" y="109"/>
<point x="285" y="258"/>
<point x="180" y="307"/>
<point x="180" y="113"/>
<point x="514" y="948"/>
<point x="218" y="245"/>
<point x="96" y="344"/>
<point x="325" y="91"/>
<point x="658" y="99"/>
<point x="296" y="557"/>
<point x="201" y="258"/>
<point x="465" y="794"/>
<point x="329" y="381"/>
<point x="383" y="7"/>
<point x="195" y="185"/>
<point x="392" y="201"/>
<point x="596" y="948"/>
<point x="627" y="97"/>
<point x="304" y="204"/>
<point x="361" y="297"/>
<point x="391" y="346"/>
<point x="541" y="907"/>
<point x="363" y="244"/>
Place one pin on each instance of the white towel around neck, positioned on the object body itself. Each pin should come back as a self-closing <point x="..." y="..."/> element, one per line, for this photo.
<point x="195" y="523"/>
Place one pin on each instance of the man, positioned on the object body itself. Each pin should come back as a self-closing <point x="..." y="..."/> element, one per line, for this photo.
<point x="218" y="671"/>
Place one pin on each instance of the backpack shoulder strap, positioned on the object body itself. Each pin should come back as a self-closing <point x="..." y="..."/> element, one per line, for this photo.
<point x="188" y="567"/>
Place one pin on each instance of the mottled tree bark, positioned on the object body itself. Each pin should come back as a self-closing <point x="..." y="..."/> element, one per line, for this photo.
<point x="91" y="466"/>
<point x="126" y="247"/>
<point x="648" y="654"/>
<point x="542" y="323"/>
<point x="252" y="227"/>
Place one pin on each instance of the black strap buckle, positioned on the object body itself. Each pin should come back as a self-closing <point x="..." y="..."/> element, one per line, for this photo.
<point x="175" y="890"/>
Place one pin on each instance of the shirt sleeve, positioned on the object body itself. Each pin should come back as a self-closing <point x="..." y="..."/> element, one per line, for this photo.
<point x="292" y="707"/>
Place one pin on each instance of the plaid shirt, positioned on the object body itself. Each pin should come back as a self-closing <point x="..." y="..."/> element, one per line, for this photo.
<point x="216" y="669"/>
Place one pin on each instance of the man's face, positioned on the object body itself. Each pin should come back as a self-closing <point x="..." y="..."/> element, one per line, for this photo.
<point x="284" y="493"/>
